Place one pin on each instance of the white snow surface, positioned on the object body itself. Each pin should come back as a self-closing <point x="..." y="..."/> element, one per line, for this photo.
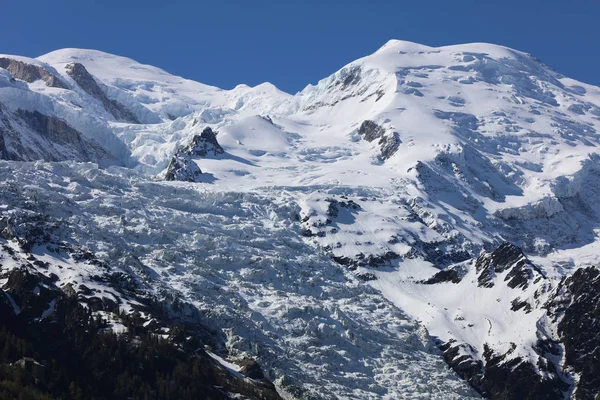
<point x="493" y="146"/>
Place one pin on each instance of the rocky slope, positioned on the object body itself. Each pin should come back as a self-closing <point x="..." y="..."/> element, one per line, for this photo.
<point x="421" y="207"/>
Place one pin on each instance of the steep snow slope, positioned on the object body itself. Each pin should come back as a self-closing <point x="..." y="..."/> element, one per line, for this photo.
<point x="407" y="161"/>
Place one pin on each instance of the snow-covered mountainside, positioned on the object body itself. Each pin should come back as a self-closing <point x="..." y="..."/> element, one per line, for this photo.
<point x="423" y="223"/>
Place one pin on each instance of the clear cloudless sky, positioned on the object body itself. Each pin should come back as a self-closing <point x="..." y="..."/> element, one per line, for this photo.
<point x="293" y="43"/>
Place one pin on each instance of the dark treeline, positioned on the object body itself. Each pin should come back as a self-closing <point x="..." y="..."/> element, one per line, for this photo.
<point x="84" y="360"/>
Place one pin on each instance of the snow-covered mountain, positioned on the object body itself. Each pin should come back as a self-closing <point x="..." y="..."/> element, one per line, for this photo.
<point x="423" y="223"/>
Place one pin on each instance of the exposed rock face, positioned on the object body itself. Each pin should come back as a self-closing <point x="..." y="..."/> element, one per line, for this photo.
<point x="204" y="144"/>
<point x="4" y="155"/>
<point x="349" y="78"/>
<point x="497" y="372"/>
<point x="446" y="275"/>
<point x="517" y="379"/>
<point x="503" y="378"/>
<point x="458" y="357"/>
<point x="370" y="131"/>
<point x="577" y="306"/>
<point x="507" y="256"/>
<point x="182" y="168"/>
<point x="87" y="82"/>
<point x="388" y="141"/>
<point x="31" y="136"/>
<point x="251" y="369"/>
<point x="53" y="128"/>
<point x="30" y="73"/>
<point x="389" y="144"/>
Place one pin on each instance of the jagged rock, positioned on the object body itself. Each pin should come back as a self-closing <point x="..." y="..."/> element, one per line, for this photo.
<point x="251" y="369"/>
<point x="349" y="77"/>
<point x="576" y="304"/>
<point x="31" y="135"/>
<point x="69" y="290"/>
<point x="366" y="276"/>
<point x="370" y="131"/>
<point x="53" y="128"/>
<point x="446" y="275"/>
<point x="333" y="209"/>
<point x="182" y="168"/>
<point x="502" y="378"/>
<point x="389" y="142"/>
<point x="440" y="253"/>
<point x="204" y="144"/>
<point x="518" y="304"/>
<point x="371" y="260"/>
<point x="507" y="256"/>
<point x="31" y="292"/>
<point x="517" y="379"/>
<point x="87" y="82"/>
<point x="458" y="357"/>
<point x="30" y="73"/>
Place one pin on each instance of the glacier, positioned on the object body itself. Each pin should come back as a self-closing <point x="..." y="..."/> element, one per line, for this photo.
<point x="314" y="239"/>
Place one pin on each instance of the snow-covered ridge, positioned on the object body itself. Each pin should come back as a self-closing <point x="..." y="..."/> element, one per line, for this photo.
<point x="404" y="162"/>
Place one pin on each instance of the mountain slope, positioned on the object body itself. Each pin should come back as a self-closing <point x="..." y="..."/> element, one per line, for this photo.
<point x="323" y="225"/>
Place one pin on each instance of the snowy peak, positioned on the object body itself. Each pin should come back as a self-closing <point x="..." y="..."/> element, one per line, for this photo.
<point x="458" y="184"/>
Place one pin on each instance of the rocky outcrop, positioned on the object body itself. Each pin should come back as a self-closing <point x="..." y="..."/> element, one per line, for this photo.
<point x="370" y="131"/>
<point x="86" y="81"/>
<point x="389" y="144"/>
<point x="506" y="257"/>
<point x="576" y="308"/>
<point x="388" y="141"/>
<point x="203" y="145"/>
<point x="30" y="73"/>
<point x="31" y="136"/>
<point x="500" y="377"/>
<point x="4" y="154"/>
<point x="182" y="168"/>
<point x="54" y="129"/>
<point x="451" y="274"/>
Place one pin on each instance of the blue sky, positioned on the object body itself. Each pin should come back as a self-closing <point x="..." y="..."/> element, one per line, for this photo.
<point x="293" y="43"/>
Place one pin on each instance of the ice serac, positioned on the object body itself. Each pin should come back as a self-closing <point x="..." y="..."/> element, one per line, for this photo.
<point x="419" y="207"/>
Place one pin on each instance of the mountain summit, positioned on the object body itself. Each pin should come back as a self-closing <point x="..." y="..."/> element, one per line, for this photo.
<point x="421" y="207"/>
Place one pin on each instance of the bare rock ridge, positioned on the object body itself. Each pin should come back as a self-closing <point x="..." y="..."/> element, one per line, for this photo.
<point x="31" y="135"/>
<point x="388" y="141"/>
<point x="31" y="73"/>
<point x="87" y="82"/>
